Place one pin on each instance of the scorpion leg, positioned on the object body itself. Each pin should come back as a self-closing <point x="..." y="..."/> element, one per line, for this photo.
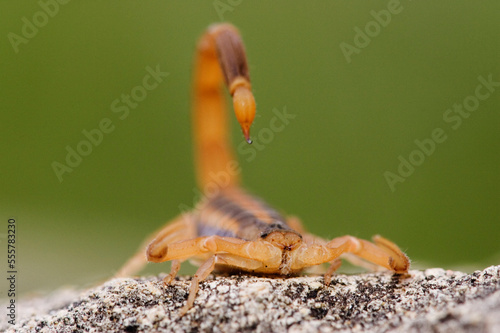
<point x="382" y="252"/>
<point x="208" y="266"/>
<point x="178" y="229"/>
<point x="176" y="265"/>
<point x="200" y="275"/>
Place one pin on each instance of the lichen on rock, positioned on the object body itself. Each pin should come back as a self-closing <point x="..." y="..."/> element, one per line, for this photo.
<point x="434" y="300"/>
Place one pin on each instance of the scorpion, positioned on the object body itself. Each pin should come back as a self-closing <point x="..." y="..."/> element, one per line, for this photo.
<point x="231" y="229"/>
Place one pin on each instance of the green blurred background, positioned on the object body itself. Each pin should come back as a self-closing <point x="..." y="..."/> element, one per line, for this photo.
<point x="353" y="120"/>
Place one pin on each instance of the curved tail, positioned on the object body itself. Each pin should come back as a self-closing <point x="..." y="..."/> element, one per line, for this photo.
<point x="220" y="56"/>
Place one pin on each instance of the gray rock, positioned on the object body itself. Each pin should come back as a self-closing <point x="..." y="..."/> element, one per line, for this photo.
<point x="434" y="300"/>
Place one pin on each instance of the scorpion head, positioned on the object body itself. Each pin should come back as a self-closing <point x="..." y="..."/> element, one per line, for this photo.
<point x="282" y="236"/>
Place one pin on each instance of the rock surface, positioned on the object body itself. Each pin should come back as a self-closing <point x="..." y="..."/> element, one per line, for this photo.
<point x="434" y="300"/>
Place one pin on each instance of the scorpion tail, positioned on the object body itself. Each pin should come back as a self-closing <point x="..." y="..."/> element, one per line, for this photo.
<point x="220" y="57"/>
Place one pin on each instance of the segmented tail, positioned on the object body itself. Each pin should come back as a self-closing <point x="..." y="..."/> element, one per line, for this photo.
<point x="220" y="57"/>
